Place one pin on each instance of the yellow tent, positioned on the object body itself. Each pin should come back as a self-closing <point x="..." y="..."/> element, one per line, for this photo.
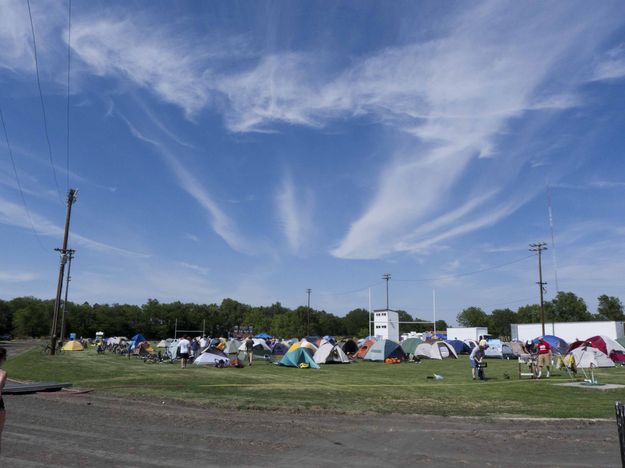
<point x="294" y="346"/>
<point x="73" y="345"/>
<point x="308" y="344"/>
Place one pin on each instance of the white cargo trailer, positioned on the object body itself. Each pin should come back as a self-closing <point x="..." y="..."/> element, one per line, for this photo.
<point x="568" y="331"/>
<point x="466" y="333"/>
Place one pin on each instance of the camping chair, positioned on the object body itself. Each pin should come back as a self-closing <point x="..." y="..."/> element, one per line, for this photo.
<point x="531" y="361"/>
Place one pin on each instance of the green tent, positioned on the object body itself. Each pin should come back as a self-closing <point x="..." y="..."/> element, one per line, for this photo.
<point x="621" y="340"/>
<point x="409" y="345"/>
<point x="297" y="357"/>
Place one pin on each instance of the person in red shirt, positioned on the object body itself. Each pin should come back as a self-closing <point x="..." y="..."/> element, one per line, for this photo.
<point x="544" y="357"/>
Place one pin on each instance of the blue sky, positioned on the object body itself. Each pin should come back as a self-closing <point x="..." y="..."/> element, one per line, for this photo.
<point x="255" y="149"/>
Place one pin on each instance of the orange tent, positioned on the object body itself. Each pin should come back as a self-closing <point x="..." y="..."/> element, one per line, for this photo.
<point x="364" y="348"/>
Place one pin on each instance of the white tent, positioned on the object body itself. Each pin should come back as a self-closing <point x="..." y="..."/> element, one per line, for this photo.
<point x="260" y="346"/>
<point x="211" y="358"/>
<point x="587" y="357"/>
<point x="329" y="353"/>
<point x="232" y="347"/>
<point x="163" y="344"/>
<point x="436" y="350"/>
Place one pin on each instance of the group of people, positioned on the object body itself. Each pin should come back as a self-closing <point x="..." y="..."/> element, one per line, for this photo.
<point x="192" y="347"/>
<point x="540" y="358"/>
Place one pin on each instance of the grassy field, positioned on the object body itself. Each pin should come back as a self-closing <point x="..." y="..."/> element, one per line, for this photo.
<point x="360" y="387"/>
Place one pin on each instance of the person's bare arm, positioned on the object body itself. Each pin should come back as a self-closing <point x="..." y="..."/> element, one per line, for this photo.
<point x="3" y="380"/>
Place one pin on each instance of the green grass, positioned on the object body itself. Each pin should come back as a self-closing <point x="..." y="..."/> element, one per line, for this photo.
<point x="361" y="387"/>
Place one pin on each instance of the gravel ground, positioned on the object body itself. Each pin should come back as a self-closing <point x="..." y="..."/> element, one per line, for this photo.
<point x="83" y="430"/>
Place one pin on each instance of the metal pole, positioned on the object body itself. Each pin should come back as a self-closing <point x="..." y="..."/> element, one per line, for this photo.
<point x="308" y="291"/>
<point x="434" y="308"/>
<point x="370" y="313"/>
<point x="71" y="198"/>
<point x="386" y="277"/>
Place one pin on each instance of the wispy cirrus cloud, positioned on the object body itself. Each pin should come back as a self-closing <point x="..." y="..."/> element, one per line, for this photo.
<point x="455" y="94"/>
<point x="613" y="65"/>
<point x="295" y="214"/>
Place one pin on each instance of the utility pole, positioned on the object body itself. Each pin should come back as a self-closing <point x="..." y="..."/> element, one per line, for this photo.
<point x="386" y="276"/>
<point x="541" y="284"/>
<point x="71" y="198"/>
<point x="70" y="256"/>
<point x="308" y="291"/>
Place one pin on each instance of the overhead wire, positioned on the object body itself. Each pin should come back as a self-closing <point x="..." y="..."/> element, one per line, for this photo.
<point x="468" y="273"/>
<point x="43" y="107"/>
<point x="19" y="184"/>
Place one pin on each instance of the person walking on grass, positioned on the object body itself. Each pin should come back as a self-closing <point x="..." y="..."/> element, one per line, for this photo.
<point x="3" y="379"/>
<point x="184" y="346"/>
<point x="544" y="357"/>
<point x="249" y="349"/>
<point x="475" y="358"/>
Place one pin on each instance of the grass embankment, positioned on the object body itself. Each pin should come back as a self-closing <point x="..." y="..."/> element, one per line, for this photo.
<point x="360" y="387"/>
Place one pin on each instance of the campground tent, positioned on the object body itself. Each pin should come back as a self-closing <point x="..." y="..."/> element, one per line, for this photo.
<point x="172" y="350"/>
<point x="211" y="357"/>
<point x="409" y="345"/>
<point x="260" y="347"/>
<point x="232" y="347"/>
<point x="383" y="349"/>
<point x="621" y="341"/>
<point x="436" y="350"/>
<point x="73" y="345"/>
<point x="163" y="344"/>
<point x="499" y="349"/>
<point x="300" y="358"/>
<point x="558" y="345"/>
<point x="364" y="348"/>
<point x="264" y="336"/>
<point x="605" y="344"/>
<point x="349" y="346"/>
<point x="279" y="349"/>
<point x="303" y="344"/>
<point x="135" y="340"/>
<point x="587" y="356"/>
<point x="330" y="354"/>
<point x="471" y="343"/>
<point x="459" y="346"/>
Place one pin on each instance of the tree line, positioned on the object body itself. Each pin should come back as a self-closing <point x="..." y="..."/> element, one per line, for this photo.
<point x="29" y="316"/>
<point x="565" y="307"/>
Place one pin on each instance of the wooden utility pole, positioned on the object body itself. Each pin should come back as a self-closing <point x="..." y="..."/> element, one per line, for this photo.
<point x="541" y="284"/>
<point x="386" y="276"/>
<point x="68" y="278"/>
<point x="71" y="198"/>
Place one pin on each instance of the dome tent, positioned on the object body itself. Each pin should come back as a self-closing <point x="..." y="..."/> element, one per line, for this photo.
<point x="384" y="349"/>
<point x="409" y="345"/>
<point x="436" y="350"/>
<point x="329" y="354"/>
<point x="558" y="345"/>
<point x="300" y="358"/>
<point x="588" y="357"/>
<point x="459" y="346"/>
<point x="73" y="345"/>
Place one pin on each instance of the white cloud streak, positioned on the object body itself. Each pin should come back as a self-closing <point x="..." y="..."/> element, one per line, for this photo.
<point x="294" y="215"/>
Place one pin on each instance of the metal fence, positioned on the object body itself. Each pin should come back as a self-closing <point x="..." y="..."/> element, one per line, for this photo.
<point x="620" y="423"/>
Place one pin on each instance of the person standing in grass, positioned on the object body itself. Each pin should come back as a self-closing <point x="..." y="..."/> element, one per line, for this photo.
<point x="184" y="346"/>
<point x="3" y="379"/>
<point x="475" y="358"/>
<point x="544" y="357"/>
<point x="249" y="349"/>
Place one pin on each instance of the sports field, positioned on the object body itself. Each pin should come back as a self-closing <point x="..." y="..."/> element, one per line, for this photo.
<point x="360" y="387"/>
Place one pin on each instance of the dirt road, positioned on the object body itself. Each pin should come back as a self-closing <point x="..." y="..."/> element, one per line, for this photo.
<point x="86" y="430"/>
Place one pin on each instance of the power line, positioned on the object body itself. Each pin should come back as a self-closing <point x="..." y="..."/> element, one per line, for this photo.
<point x="468" y="273"/>
<point x="351" y="291"/>
<point x="19" y="184"/>
<point x="69" y="61"/>
<point x="43" y="107"/>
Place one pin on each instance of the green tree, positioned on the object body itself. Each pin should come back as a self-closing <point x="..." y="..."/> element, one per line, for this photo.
<point x="567" y="307"/>
<point x="441" y="326"/>
<point x="610" y="308"/>
<point x="405" y="317"/>
<point x="499" y="322"/>
<point x="472" y="317"/>
<point x="32" y="321"/>
<point x="356" y="323"/>
<point x="6" y="317"/>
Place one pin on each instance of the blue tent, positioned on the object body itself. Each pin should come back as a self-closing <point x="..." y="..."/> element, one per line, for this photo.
<point x="135" y="340"/>
<point x="383" y="349"/>
<point x="297" y="357"/>
<point x="557" y="344"/>
<point x="459" y="346"/>
<point x="279" y="349"/>
<point x="264" y="336"/>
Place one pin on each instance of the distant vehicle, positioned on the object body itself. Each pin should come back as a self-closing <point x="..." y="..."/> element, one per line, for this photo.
<point x="6" y="337"/>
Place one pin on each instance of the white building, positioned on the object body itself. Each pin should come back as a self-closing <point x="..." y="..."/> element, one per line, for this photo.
<point x="568" y="331"/>
<point x="466" y="333"/>
<point x="386" y="325"/>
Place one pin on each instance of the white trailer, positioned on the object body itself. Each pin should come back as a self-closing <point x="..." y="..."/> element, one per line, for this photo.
<point x="466" y="333"/>
<point x="568" y="331"/>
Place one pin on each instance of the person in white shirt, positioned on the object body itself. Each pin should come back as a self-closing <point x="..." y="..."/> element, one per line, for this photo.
<point x="184" y="346"/>
<point x="203" y="343"/>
